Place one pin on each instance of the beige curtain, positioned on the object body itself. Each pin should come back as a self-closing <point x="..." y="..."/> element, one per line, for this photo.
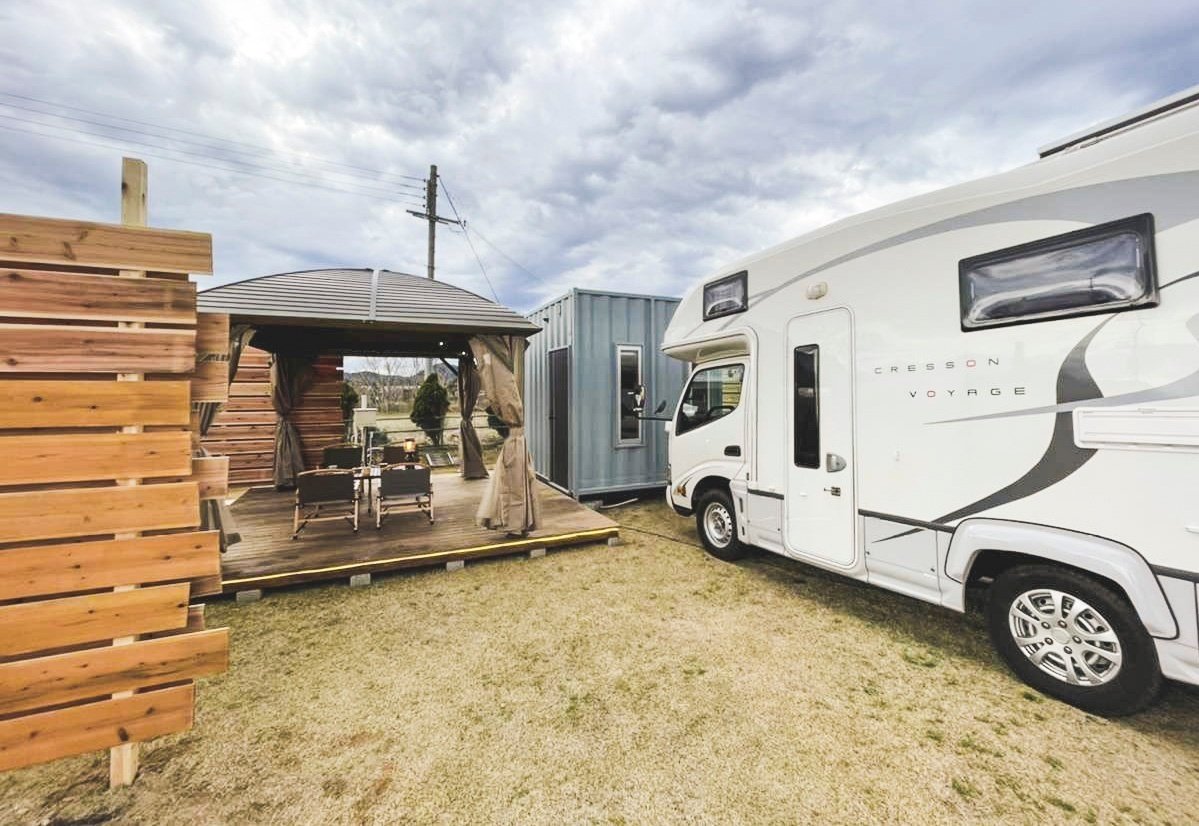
<point x="470" y="450"/>
<point x="510" y="501"/>
<point x="290" y="377"/>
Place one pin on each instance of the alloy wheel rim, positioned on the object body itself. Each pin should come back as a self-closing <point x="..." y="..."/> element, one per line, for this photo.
<point x="1065" y="637"/>
<point x="718" y="524"/>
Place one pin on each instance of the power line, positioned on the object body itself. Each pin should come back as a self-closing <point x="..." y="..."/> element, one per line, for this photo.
<point x="469" y="242"/>
<point x="308" y="183"/>
<point x="508" y="257"/>
<point x="257" y="147"/>
<point x="134" y="141"/>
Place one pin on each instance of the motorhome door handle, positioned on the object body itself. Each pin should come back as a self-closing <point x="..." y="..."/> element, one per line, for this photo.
<point x="833" y="462"/>
<point x="834" y="490"/>
<point x="732" y="450"/>
<point x="1192" y="528"/>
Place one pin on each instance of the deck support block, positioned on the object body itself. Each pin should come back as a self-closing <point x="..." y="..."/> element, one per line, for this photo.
<point x="613" y="541"/>
<point x="536" y="553"/>
<point x="360" y="580"/>
<point x="253" y="595"/>
<point x="455" y="565"/>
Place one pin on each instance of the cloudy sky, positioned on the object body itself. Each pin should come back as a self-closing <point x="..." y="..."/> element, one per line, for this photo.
<point x="605" y="143"/>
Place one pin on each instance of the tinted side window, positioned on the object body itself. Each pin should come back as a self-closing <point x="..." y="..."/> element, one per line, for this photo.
<point x="712" y="394"/>
<point x="807" y="406"/>
<point x="1101" y="268"/>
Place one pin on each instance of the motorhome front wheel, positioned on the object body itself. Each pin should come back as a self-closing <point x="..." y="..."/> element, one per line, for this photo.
<point x="716" y="522"/>
<point x="1074" y="638"/>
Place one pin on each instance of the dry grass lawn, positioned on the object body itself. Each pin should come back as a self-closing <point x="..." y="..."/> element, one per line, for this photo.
<point x="645" y="683"/>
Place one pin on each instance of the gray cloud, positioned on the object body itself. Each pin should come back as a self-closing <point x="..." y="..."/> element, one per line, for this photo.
<point x="597" y="142"/>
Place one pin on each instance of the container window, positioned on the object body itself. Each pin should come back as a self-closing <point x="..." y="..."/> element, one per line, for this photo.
<point x="628" y="366"/>
<point x="712" y="394"/>
<point x="807" y="406"/>
<point x="1099" y="269"/>
<point x="727" y="295"/>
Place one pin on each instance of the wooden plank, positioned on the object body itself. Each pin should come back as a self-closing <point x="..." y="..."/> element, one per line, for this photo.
<point x="54" y="348"/>
<point x="210" y="381"/>
<point x="53" y="403"/>
<point x="45" y="294"/>
<point x="50" y="735"/>
<point x="254" y="388"/>
<point x="84" y="566"/>
<point x="211" y="474"/>
<point x="240" y="446"/>
<point x="52" y="623"/>
<point x="82" y="457"/>
<point x="232" y="432"/>
<point x="212" y="334"/>
<point x="25" y="239"/>
<point x="51" y="514"/>
<point x="79" y="675"/>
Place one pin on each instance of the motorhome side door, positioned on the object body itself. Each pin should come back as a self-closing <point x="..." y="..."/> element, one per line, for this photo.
<point x="820" y="498"/>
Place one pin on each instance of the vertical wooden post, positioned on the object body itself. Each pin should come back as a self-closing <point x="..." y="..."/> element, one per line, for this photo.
<point x="123" y="759"/>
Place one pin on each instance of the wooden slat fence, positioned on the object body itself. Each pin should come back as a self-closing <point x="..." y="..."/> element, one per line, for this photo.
<point x="100" y="552"/>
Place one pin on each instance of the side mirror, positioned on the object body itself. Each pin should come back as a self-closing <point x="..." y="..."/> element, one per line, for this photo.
<point x="639" y="398"/>
<point x="661" y="406"/>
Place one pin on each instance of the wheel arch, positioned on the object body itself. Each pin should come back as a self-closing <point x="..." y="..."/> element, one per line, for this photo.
<point x="988" y="541"/>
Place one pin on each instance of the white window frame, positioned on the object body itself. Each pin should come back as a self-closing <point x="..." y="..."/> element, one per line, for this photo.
<point x="621" y="349"/>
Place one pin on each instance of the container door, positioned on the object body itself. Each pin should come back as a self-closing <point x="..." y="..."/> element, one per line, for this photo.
<point x="820" y="510"/>
<point x="560" y="417"/>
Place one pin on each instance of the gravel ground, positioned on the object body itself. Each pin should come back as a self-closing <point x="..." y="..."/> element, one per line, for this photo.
<point x="645" y="683"/>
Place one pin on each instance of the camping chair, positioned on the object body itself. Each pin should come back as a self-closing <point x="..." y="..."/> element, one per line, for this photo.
<point x="395" y="454"/>
<point x="341" y="456"/>
<point x="336" y="490"/>
<point x="403" y="486"/>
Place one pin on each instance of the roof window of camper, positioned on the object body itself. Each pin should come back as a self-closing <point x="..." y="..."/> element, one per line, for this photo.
<point x="727" y="295"/>
<point x="1094" y="270"/>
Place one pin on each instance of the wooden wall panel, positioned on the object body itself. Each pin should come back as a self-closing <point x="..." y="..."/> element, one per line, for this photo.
<point x="245" y="429"/>
<point x="55" y="514"/>
<point x="99" y="489"/>
<point x="38" y="738"/>
<point x="49" y="348"/>
<point x="24" y="239"/>
<point x="59" y="295"/>
<point x="53" y="623"/>
<point x="84" y="566"/>
<point x="80" y="675"/>
<point x="85" y="457"/>
<point x="30" y="403"/>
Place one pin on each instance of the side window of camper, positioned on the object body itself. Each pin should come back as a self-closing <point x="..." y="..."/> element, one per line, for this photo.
<point x="807" y="406"/>
<point x="1098" y="269"/>
<point x="712" y="394"/>
<point x="628" y="370"/>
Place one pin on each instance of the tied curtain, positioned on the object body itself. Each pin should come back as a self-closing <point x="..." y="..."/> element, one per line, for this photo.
<point x="290" y="377"/>
<point x="469" y="448"/>
<point x="214" y="513"/>
<point x="510" y="501"/>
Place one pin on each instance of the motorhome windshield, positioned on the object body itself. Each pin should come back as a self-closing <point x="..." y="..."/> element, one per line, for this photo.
<point x="713" y="392"/>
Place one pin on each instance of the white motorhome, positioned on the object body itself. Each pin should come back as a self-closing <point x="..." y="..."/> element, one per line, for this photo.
<point x="997" y="385"/>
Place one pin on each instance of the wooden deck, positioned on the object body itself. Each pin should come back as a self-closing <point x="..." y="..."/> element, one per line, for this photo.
<point x="267" y="556"/>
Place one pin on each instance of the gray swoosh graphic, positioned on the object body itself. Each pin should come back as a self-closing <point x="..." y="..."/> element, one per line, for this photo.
<point x="1061" y="457"/>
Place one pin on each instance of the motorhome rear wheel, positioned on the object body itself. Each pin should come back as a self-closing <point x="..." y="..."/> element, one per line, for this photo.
<point x="1073" y="638"/>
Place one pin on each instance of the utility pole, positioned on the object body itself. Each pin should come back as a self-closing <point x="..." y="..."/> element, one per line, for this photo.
<point x="430" y="215"/>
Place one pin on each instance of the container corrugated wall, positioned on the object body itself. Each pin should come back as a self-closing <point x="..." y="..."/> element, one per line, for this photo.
<point x="593" y="324"/>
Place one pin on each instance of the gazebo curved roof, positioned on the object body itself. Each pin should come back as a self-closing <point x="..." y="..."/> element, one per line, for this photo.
<point x="359" y="311"/>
